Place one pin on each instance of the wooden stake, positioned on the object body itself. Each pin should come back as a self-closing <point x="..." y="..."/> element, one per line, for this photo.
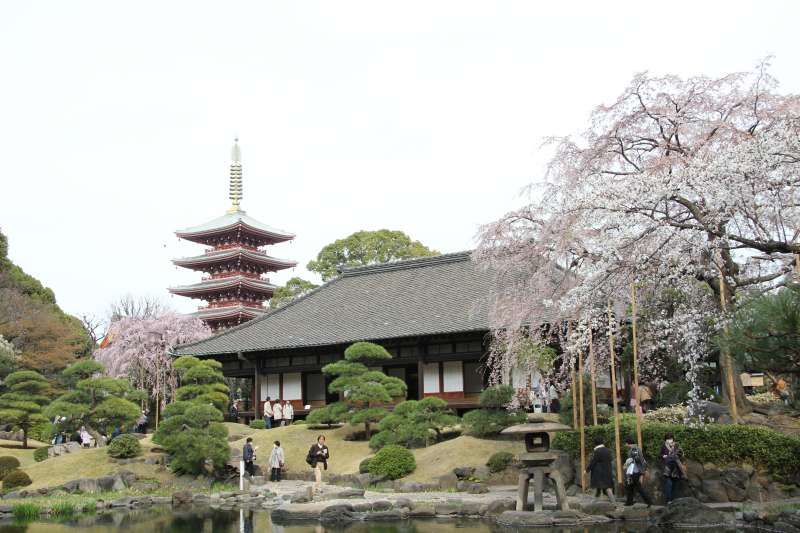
<point x="614" y="396"/>
<point x="572" y="384"/>
<point x="725" y="357"/>
<point x="637" y="404"/>
<point x="581" y="423"/>
<point x="591" y="376"/>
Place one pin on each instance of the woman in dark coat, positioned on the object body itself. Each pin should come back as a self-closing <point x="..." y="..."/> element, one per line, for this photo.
<point x="318" y="456"/>
<point x="674" y="470"/>
<point x="602" y="479"/>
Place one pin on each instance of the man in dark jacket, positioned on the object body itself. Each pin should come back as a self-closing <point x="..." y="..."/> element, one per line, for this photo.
<point x="602" y="479"/>
<point x="249" y="457"/>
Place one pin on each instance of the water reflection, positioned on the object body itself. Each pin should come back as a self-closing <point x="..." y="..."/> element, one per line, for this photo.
<point x="206" y="520"/>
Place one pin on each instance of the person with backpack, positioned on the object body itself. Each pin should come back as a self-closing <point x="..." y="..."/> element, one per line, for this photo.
<point x="318" y="455"/>
<point x="276" y="461"/>
<point x="635" y="467"/>
<point x="674" y="470"/>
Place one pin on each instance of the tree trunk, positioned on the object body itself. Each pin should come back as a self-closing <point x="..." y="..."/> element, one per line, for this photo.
<point x="24" y="438"/>
<point x="366" y="429"/>
<point x="727" y="365"/>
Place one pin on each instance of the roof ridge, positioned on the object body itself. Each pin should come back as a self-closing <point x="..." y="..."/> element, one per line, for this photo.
<point x="403" y="264"/>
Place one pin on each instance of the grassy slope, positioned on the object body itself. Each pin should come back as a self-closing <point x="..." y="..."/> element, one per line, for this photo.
<point x="432" y="461"/>
<point x="24" y="456"/>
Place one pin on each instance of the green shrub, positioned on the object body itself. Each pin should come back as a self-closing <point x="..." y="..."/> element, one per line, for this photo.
<point x="25" y="512"/>
<point x="329" y="415"/>
<point x="258" y="423"/>
<point x="63" y="510"/>
<point x="7" y="464"/>
<point x="124" y="446"/>
<point x="40" y="454"/>
<point x="363" y="466"/>
<point x="721" y="444"/>
<point x="497" y="397"/>
<point x="678" y="393"/>
<point x="485" y="422"/>
<point x="414" y="423"/>
<point x="565" y="413"/>
<point x="42" y="432"/>
<point x="15" y="478"/>
<point x="500" y="461"/>
<point x="393" y="462"/>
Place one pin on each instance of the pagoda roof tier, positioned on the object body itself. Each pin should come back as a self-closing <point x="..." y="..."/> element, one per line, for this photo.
<point x="224" y="313"/>
<point x="230" y="222"/>
<point x="214" y="257"/>
<point x="213" y="285"/>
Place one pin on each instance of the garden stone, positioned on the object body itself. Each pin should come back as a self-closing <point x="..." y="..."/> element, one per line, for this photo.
<point x="410" y="486"/>
<point x="597" y="507"/>
<point x="386" y="516"/>
<point x="638" y="511"/>
<point x="477" y="488"/>
<point x="337" y="514"/>
<point x="463" y="472"/>
<point x="715" y="490"/>
<point x="127" y="477"/>
<point x="471" y="509"/>
<point x="86" y="485"/>
<point x="422" y="510"/>
<point x="350" y="493"/>
<point x="290" y="512"/>
<point x="12" y="495"/>
<point x="400" y="503"/>
<point x="784" y="527"/>
<point x="461" y="486"/>
<point x="118" y="484"/>
<point x="496" y="507"/>
<point x="521" y="519"/>
<point x="482" y="472"/>
<point x="181" y="497"/>
<point x="448" y="508"/>
<point x="105" y="483"/>
<point x="448" y="481"/>
<point x="688" y="512"/>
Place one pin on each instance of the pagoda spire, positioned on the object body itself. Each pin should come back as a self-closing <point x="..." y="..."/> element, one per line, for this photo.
<point x="235" y="188"/>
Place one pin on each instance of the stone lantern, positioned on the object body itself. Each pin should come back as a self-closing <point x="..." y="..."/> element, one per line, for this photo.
<point x="538" y="463"/>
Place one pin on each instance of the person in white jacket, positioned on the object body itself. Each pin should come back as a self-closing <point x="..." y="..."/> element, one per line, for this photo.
<point x="277" y="413"/>
<point x="276" y="461"/>
<point x="288" y="413"/>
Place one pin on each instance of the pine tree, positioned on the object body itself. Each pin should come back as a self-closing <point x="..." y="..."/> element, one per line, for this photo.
<point x="22" y="405"/>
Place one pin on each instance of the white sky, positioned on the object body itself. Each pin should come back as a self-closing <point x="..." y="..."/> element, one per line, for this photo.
<point x="116" y="119"/>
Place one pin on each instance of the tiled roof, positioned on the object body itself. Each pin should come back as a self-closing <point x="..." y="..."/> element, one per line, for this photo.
<point x="426" y="296"/>
<point x="224" y="283"/>
<point x="226" y="312"/>
<point x="231" y="220"/>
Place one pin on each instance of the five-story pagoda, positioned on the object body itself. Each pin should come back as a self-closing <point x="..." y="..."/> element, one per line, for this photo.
<point x="234" y="289"/>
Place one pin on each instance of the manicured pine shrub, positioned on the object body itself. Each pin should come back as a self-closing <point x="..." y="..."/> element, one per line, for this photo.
<point x="363" y="466"/>
<point x="499" y="461"/>
<point x="393" y="462"/>
<point x="124" y="446"/>
<point x="40" y="454"/>
<point x="7" y="464"/>
<point x="14" y="479"/>
<point x="493" y="417"/>
<point x="258" y="423"/>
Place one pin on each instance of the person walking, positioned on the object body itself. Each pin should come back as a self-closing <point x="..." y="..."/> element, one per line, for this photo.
<point x="600" y="468"/>
<point x="673" y="470"/>
<point x="267" y="414"/>
<point x="249" y="456"/>
<point x="555" y="403"/>
<point x="288" y="413"/>
<point x="277" y="413"/>
<point x="318" y="456"/>
<point x="276" y="461"/>
<point x="635" y="467"/>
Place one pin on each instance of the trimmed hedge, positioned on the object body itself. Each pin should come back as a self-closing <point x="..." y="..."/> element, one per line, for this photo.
<point x="124" y="446"/>
<point x="7" y="464"/>
<point x="721" y="444"/>
<point x="393" y="462"/>
<point x="363" y="466"/>
<point x="14" y="479"/>
<point x="40" y="454"/>
<point x="258" y="423"/>
<point x="500" y="461"/>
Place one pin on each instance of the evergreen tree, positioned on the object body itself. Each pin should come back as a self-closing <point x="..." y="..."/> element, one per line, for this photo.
<point x="95" y="400"/>
<point x="22" y="405"/>
<point x="414" y="423"/>
<point x="192" y="431"/>
<point x="364" y="391"/>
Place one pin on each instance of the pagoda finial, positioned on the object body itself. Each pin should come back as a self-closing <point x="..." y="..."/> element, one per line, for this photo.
<point x="235" y="193"/>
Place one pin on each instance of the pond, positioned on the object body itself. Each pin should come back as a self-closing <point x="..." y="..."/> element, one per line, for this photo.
<point x="206" y="520"/>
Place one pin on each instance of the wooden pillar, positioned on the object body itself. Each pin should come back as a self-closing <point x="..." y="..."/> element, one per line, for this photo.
<point x="636" y="403"/>
<point x="592" y="376"/>
<point x="581" y="419"/>
<point x="256" y="392"/>
<point x="614" y="396"/>
<point x="420" y="379"/>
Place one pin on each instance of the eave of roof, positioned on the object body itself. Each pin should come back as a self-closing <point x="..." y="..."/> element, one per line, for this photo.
<point x="225" y="283"/>
<point x="212" y="313"/>
<point x="224" y="255"/>
<point x="230" y="221"/>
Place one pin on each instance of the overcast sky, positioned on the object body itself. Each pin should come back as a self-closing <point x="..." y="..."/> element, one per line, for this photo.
<point x="116" y="120"/>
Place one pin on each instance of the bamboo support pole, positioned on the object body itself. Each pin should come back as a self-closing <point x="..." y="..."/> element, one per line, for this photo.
<point x="614" y="397"/>
<point x="637" y="404"/>
<point x="592" y="377"/>
<point x="581" y="422"/>
<point x="572" y="383"/>
<point x="725" y="357"/>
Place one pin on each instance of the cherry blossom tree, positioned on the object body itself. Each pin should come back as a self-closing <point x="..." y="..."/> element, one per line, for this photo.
<point x="140" y="350"/>
<point x="680" y="184"/>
